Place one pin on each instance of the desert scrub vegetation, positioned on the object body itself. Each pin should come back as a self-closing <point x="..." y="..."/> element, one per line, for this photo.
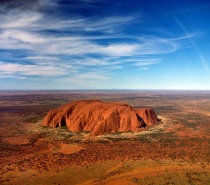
<point x="116" y="139"/>
<point x="117" y="133"/>
<point x="32" y="118"/>
<point x="63" y="127"/>
<point x="176" y="178"/>
<point x="59" y="133"/>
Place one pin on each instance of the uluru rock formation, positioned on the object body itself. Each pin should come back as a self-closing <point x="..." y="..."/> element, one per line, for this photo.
<point x="99" y="117"/>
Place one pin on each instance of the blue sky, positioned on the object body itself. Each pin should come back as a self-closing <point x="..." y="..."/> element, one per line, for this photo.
<point x="105" y="44"/>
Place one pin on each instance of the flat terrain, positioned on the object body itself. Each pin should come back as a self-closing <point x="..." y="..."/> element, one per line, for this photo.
<point x="176" y="151"/>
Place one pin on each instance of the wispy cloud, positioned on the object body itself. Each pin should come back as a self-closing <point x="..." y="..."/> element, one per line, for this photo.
<point x="193" y="43"/>
<point x="58" y="46"/>
<point x="32" y="5"/>
<point x="37" y="21"/>
<point x="18" y="19"/>
<point x="34" y="70"/>
<point x="86" y="80"/>
<point x="147" y="62"/>
<point x="21" y="37"/>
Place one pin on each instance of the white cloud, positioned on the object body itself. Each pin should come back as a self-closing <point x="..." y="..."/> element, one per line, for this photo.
<point x="31" y="70"/>
<point x="41" y="58"/>
<point x="18" y="19"/>
<point x="24" y="30"/>
<point x="52" y="43"/>
<point x="36" y="21"/>
<point x="87" y="61"/>
<point x="12" y="76"/>
<point x="21" y="36"/>
<point x="146" y="62"/>
<point x="120" y="49"/>
<point x="90" y="80"/>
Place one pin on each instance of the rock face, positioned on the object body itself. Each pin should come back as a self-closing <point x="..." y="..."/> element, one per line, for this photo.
<point x="148" y="115"/>
<point x="99" y="117"/>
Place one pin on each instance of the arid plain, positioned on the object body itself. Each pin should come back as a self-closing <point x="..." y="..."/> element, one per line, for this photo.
<point x="175" y="151"/>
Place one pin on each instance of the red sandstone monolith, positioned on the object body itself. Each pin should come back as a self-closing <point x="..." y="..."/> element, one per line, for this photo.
<point x="99" y="117"/>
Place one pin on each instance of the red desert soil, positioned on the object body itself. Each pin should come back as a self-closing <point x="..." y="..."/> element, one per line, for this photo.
<point x="17" y="140"/>
<point x="100" y="117"/>
<point x="70" y="149"/>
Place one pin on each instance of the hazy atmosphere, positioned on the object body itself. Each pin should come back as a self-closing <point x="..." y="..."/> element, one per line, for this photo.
<point x="104" y="44"/>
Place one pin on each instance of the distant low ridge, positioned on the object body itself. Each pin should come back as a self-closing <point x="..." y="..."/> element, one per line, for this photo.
<point x="99" y="117"/>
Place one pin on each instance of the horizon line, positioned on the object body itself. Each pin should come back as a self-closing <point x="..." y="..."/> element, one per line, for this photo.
<point x="104" y="89"/>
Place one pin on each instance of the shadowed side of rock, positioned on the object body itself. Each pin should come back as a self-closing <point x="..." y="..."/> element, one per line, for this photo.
<point x="148" y="115"/>
<point x="99" y="117"/>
